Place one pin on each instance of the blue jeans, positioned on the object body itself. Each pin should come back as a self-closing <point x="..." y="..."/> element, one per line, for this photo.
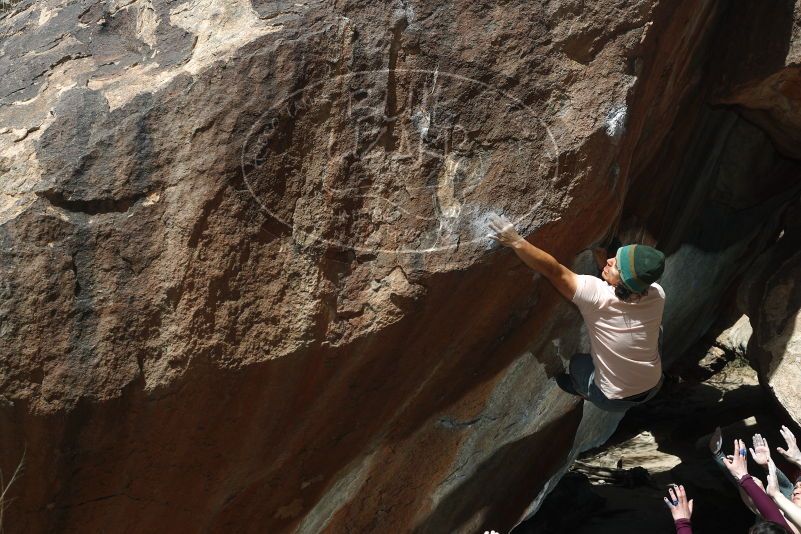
<point x="582" y="374"/>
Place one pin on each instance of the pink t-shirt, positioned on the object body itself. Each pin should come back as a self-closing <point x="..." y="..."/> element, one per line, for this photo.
<point x="624" y="336"/>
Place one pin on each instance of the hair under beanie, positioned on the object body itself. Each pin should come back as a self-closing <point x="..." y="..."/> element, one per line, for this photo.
<point x="639" y="266"/>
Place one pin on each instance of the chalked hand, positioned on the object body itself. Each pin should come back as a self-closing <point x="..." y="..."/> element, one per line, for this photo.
<point x="503" y="231"/>
<point x="792" y="453"/>
<point x="680" y="507"/>
<point x="773" y="480"/>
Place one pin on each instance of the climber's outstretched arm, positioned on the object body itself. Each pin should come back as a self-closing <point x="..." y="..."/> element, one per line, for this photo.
<point x="562" y="278"/>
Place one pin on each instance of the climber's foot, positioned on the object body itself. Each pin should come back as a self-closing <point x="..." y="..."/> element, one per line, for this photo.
<point x="566" y="384"/>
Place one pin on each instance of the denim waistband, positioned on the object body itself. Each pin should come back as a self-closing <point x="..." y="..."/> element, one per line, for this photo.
<point x="641" y="396"/>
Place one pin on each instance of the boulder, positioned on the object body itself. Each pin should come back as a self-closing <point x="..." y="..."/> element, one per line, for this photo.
<point x="245" y="284"/>
<point x="773" y="300"/>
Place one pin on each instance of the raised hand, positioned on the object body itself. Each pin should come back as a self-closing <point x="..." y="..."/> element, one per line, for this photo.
<point x="773" y="480"/>
<point x="503" y="231"/>
<point x="737" y="463"/>
<point x="792" y="453"/>
<point x="761" y="452"/>
<point x="679" y="507"/>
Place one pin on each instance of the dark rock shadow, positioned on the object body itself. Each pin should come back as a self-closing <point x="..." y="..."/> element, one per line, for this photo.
<point x="680" y="419"/>
<point x="489" y="488"/>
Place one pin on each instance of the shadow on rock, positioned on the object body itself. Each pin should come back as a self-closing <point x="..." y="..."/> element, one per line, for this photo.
<point x="545" y="452"/>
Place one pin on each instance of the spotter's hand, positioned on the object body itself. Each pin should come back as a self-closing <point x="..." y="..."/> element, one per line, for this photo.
<point x="503" y="231"/>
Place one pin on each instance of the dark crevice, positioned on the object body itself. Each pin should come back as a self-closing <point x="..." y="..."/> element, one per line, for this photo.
<point x="91" y="207"/>
<point x="390" y="107"/>
<point x="68" y="57"/>
<point x="77" y="289"/>
<point x="49" y="70"/>
<point x="447" y="422"/>
<point x="140" y="362"/>
<point x="15" y="91"/>
<point x="90" y="501"/>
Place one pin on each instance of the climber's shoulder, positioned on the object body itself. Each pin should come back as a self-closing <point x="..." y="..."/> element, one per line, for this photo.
<point x="658" y="289"/>
<point x="564" y="280"/>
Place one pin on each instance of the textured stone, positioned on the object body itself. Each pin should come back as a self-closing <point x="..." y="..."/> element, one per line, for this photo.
<point x="769" y="94"/>
<point x="244" y="280"/>
<point x="768" y="293"/>
<point x="773" y="299"/>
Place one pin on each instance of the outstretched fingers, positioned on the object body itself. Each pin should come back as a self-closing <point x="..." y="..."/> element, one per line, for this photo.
<point x="791" y="451"/>
<point x="737" y="463"/>
<point x="787" y="435"/>
<point x="773" y="480"/>
<point x="736" y="454"/>
<point x="498" y="221"/>
<point x="677" y="503"/>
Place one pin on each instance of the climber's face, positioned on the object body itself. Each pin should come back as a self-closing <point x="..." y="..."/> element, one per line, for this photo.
<point x="610" y="272"/>
<point x="796" y="496"/>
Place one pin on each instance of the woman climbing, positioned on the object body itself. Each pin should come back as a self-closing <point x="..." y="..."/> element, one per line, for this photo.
<point x="623" y="312"/>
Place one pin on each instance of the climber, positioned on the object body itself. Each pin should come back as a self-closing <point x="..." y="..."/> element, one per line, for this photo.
<point x="623" y="313"/>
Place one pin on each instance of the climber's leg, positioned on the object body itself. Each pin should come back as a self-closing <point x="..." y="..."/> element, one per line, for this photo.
<point x="581" y="371"/>
<point x="582" y="382"/>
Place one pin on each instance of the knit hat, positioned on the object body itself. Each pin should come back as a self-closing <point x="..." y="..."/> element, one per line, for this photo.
<point x="639" y="266"/>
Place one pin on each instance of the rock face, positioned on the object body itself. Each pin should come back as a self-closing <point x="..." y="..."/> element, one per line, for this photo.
<point x="769" y="293"/>
<point x="243" y="274"/>
<point x="773" y="299"/>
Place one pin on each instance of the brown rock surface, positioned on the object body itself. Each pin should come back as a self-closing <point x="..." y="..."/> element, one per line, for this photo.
<point x="243" y="274"/>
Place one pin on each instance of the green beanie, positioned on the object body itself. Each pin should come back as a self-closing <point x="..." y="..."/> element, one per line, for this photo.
<point x="639" y="266"/>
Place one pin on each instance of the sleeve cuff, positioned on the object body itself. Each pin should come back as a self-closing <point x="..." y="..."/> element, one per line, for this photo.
<point x="579" y="287"/>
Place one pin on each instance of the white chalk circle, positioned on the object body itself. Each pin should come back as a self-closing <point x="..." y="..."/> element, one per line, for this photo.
<point x="397" y="161"/>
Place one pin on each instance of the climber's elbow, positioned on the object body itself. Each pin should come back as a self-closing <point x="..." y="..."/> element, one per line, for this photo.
<point x="563" y="280"/>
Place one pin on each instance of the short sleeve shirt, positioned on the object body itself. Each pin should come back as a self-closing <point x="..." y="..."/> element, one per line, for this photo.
<point x="624" y="336"/>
